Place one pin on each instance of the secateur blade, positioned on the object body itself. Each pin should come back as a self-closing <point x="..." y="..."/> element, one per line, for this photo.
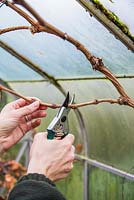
<point x="66" y="102"/>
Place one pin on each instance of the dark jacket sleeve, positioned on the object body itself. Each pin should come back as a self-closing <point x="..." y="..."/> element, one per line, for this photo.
<point x="35" y="187"/>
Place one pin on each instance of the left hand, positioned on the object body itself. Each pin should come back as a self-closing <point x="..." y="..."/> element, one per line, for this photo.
<point x="16" y="119"/>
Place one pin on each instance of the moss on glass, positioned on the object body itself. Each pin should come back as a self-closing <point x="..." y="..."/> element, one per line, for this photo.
<point x="114" y="18"/>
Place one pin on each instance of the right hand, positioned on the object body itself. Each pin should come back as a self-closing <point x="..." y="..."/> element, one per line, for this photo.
<point x="52" y="158"/>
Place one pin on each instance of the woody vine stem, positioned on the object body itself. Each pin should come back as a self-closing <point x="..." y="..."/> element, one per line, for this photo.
<point x="38" y="24"/>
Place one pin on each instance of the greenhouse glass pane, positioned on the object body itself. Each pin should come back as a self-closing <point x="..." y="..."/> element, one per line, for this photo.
<point x="12" y="69"/>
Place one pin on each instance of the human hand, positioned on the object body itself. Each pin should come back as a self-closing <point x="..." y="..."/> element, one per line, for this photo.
<point x="53" y="158"/>
<point x="16" y="119"/>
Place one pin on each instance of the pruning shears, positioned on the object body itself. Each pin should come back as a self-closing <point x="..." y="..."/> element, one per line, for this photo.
<point x="59" y="125"/>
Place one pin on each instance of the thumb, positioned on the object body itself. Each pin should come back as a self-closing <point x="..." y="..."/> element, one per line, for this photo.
<point x="41" y="136"/>
<point x="69" y="138"/>
<point x="26" y="110"/>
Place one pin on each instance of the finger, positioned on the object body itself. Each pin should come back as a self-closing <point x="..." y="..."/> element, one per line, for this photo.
<point x="29" y="126"/>
<point x="29" y="109"/>
<point x="69" y="138"/>
<point x="19" y="103"/>
<point x="60" y="176"/>
<point x="64" y="171"/>
<point x="68" y="167"/>
<point x="70" y="157"/>
<point x="22" y="102"/>
<point x="36" y="114"/>
<point x="42" y="107"/>
<point x="33" y="124"/>
<point x="13" y="105"/>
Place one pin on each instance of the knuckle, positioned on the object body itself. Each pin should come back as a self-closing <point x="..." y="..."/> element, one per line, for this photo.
<point x="69" y="168"/>
<point x="67" y="145"/>
<point x="72" y="157"/>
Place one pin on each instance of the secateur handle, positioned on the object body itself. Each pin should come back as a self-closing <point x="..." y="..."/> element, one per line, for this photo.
<point x="50" y="134"/>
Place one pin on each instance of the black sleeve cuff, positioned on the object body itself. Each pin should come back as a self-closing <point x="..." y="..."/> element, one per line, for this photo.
<point x="35" y="187"/>
<point x="37" y="177"/>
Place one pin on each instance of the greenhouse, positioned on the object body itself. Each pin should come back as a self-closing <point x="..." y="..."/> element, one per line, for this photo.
<point x="86" y="48"/>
